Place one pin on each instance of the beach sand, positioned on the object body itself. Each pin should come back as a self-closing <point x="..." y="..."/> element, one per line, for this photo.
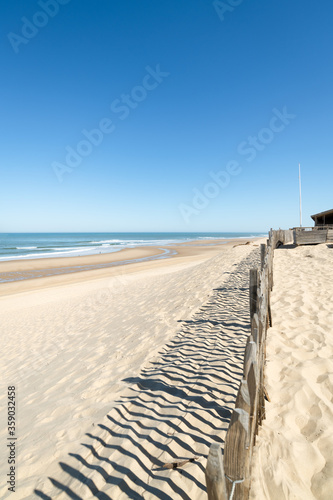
<point x="293" y="456"/>
<point x="123" y="369"/>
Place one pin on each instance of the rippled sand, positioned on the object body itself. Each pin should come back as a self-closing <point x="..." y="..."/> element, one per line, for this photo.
<point x="117" y="375"/>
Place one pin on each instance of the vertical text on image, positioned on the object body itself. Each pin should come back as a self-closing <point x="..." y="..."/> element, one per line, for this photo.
<point x="12" y="438"/>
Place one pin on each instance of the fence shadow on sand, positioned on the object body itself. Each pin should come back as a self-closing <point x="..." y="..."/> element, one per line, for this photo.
<point x="171" y="412"/>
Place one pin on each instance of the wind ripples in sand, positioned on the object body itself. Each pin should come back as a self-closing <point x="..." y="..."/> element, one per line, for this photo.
<point x="180" y="403"/>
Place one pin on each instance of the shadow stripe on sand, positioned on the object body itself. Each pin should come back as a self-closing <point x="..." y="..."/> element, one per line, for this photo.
<point x="179" y="404"/>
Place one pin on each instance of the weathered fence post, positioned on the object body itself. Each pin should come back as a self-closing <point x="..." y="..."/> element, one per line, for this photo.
<point x="249" y="357"/>
<point x="215" y="478"/>
<point x="255" y="328"/>
<point x="270" y="322"/>
<point x="236" y="455"/>
<point x="262" y="255"/>
<point x="253" y="291"/>
<point x="252" y="384"/>
<point x="243" y="397"/>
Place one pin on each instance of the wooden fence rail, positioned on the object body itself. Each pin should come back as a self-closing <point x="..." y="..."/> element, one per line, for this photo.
<point x="228" y="476"/>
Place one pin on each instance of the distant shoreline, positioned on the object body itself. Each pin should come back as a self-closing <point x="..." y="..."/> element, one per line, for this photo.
<point x="27" y="246"/>
<point x="24" y="274"/>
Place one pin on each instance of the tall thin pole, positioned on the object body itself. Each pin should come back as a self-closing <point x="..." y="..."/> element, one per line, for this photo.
<point x="300" y="195"/>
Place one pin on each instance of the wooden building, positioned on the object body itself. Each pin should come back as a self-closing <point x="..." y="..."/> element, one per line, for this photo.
<point x="322" y="232"/>
<point x="323" y="219"/>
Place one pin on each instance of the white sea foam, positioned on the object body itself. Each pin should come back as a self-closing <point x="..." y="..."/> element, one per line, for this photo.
<point x="106" y="241"/>
<point x="26" y="248"/>
<point x="63" y="253"/>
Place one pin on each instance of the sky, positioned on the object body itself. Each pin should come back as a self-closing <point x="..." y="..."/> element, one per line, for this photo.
<point x="168" y="115"/>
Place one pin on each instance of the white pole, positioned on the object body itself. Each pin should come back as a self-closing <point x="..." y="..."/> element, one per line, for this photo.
<point x="300" y="195"/>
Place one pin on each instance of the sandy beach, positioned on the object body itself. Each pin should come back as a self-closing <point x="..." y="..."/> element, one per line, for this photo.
<point x="68" y="270"/>
<point x="293" y="456"/>
<point x="154" y="156"/>
<point x="120" y="371"/>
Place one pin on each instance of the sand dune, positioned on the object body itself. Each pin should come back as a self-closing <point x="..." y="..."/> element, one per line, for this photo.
<point x="293" y="457"/>
<point x="91" y="354"/>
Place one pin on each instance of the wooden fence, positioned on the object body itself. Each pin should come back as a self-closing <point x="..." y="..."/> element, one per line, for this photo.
<point x="313" y="235"/>
<point x="228" y="476"/>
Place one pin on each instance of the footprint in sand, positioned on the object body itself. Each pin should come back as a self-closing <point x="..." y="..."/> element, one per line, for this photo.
<point x="83" y="413"/>
<point x="61" y="434"/>
<point x="297" y="314"/>
<point x="307" y="344"/>
<point x="322" y="482"/>
<point x="301" y="421"/>
<point x="325" y="382"/>
<point x="311" y="428"/>
<point x="28" y="458"/>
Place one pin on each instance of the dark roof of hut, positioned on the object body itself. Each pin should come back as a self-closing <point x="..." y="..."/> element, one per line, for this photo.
<point x="328" y="212"/>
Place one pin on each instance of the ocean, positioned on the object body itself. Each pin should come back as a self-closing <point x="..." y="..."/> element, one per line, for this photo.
<point x="39" y="245"/>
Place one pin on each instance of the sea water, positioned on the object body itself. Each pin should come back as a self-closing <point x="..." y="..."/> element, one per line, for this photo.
<point x="39" y="245"/>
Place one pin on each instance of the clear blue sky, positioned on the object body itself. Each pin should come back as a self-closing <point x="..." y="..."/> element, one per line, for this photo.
<point x="181" y="89"/>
